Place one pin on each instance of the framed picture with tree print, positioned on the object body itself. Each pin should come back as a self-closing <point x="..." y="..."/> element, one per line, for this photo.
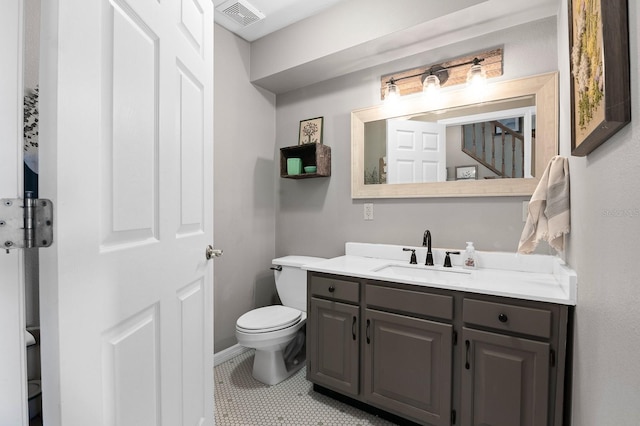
<point x="310" y="131"/>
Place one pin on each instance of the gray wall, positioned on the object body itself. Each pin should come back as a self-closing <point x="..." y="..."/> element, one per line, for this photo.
<point x="317" y="216"/>
<point x="603" y="248"/>
<point x="244" y="189"/>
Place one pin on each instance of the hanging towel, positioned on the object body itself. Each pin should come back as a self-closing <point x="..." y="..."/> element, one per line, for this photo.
<point x="549" y="214"/>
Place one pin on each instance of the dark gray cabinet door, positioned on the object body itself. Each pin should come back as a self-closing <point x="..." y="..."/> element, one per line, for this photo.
<point x="333" y="358"/>
<point x="505" y="380"/>
<point x="408" y="366"/>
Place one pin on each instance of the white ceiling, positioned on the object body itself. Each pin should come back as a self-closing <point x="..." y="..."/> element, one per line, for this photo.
<point x="278" y="14"/>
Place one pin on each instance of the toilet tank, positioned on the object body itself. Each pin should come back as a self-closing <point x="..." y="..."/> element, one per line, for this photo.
<point x="291" y="281"/>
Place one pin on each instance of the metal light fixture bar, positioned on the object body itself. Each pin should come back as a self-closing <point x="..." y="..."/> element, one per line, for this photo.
<point x="449" y="73"/>
<point x="441" y="72"/>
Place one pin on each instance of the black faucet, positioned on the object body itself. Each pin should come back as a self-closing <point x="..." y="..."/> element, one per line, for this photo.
<point x="426" y="242"/>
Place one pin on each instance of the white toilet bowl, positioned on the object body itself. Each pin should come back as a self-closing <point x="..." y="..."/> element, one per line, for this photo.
<point x="269" y="365"/>
<point x="277" y="332"/>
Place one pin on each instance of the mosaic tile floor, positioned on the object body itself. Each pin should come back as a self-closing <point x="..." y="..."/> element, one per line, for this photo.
<point x="243" y="401"/>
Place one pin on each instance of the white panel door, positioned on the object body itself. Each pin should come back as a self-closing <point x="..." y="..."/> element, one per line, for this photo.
<point x="127" y="156"/>
<point x="416" y="152"/>
<point x="13" y="375"/>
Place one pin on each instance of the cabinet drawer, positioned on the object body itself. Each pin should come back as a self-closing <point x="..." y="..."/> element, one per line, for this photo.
<point x="348" y="291"/>
<point x="503" y="316"/>
<point x="429" y="304"/>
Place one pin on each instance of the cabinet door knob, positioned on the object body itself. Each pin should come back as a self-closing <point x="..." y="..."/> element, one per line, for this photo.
<point x="503" y="318"/>
<point x="332" y="289"/>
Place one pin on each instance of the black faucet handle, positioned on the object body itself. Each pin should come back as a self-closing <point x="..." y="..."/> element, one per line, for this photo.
<point x="447" y="258"/>
<point x="414" y="260"/>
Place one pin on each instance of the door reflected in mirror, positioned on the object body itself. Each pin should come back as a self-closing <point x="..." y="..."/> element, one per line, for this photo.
<point x="496" y="137"/>
<point x="414" y="150"/>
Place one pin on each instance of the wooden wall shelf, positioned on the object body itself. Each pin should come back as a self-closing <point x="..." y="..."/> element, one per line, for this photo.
<point x="312" y="154"/>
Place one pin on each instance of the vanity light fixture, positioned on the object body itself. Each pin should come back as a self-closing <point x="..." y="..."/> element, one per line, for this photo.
<point x="429" y="79"/>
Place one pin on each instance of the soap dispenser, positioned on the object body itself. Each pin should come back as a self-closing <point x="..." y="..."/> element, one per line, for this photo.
<point x="470" y="260"/>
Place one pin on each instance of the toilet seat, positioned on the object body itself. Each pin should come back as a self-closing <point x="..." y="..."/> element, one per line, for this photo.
<point x="268" y="319"/>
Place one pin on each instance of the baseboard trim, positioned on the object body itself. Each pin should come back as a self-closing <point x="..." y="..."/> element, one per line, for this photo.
<point x="226" y="354"/>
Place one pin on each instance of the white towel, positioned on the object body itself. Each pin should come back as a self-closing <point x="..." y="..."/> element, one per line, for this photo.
<point x="549" y="209"/>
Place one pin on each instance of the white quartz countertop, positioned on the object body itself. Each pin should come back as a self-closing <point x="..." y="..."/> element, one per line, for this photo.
<point x="530" y="277"/>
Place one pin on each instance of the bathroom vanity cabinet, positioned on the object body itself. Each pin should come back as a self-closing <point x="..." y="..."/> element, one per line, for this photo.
<point x="514" y="359"/>
<point x="333" y="315"/>
<point x="408" y="352"/>
<point x="437" y="356"/>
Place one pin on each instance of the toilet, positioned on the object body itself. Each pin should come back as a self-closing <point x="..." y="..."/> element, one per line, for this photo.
<point x="35" y="398"/>
<point x="277" y="332"/>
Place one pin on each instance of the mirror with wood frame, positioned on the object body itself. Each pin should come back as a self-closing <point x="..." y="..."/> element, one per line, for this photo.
<point x="521" y="112"/>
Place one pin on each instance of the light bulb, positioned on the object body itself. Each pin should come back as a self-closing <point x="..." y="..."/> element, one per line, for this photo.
<point x="431" y="84"/>
<point x="392" y="92"/>
<point x="476" y="75"/>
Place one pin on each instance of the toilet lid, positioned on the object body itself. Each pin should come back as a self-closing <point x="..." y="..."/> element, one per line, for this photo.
<point x="269" y="318"/>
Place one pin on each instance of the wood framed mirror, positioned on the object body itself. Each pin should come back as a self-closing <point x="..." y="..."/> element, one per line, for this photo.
<point x="537" y="93"/>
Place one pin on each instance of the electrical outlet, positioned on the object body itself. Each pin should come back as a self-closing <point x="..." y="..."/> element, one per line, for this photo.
<point x="368" y="211"/>
<point x="525" y="210"/>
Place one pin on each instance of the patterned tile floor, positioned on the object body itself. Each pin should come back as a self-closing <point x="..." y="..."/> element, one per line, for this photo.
<point x="243" y="401"/>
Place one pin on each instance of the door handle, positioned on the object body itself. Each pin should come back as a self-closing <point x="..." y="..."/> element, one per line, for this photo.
<point x="211" y="252"/>
<point x="467" y="344"/>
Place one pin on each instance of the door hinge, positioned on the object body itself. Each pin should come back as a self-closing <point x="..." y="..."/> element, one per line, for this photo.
<point x="552" y="358"/>
<point x="453" y="417"/>
<point x="25" y="223"/>
<point x="455" y="337"/>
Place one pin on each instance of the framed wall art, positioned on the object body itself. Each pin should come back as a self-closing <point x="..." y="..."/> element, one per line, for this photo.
<point x="310" y="131"/>
<point x="467" y="172"/>
<point x="600" y="88"/>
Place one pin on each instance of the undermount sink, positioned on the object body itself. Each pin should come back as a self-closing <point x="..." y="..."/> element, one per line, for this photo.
<point x="426" y="273"/>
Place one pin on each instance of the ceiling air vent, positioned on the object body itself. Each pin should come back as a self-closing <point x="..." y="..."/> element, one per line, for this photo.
<point x="241" y="12"/>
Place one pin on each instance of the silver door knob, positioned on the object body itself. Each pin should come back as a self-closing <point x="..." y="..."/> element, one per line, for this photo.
<point x="211" y="252"/>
